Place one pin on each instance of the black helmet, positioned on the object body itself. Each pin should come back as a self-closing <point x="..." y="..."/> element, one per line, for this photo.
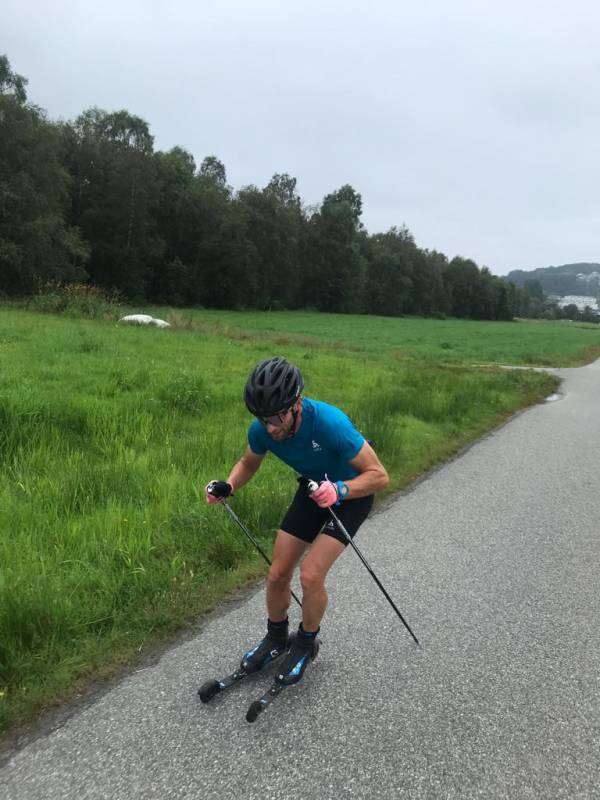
<point x="273" y="386"/>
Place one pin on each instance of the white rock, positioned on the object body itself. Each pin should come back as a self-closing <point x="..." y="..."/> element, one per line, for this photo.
<point x="139" y="319"/>
<point x="145" y="319"/>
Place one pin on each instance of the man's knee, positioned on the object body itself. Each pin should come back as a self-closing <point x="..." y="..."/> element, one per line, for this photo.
<point x="311" y="579"/>
<point x="279" y="575"/>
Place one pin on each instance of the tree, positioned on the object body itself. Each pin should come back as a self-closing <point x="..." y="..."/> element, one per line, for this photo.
<point x="461" y="276"/>
<point x="35" y="243"/>
<point x="391" y="263"/>
<point x="571" y="311"/>
<point x="589" y="315"/>
<point x="429" y="293"/>
<point x="231" y="264"/>
<point x="94" y="193"/>
<point x="110" y="156"/>
<point x="11" y="84"/>
<point x="550" y="310"/>
<point x="214" y="170"/>
<point x="335" y="275"/>
<point x="347" y="196"/>
<point x="282" y="187"/>
<point x="274" y="225"/>
<point x="534" y="289"/>
<point x="504" y="306"/>
<point x="175" y="216"/>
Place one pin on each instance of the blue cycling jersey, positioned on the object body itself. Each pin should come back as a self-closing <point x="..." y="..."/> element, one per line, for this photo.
<point x="324" y="443"/>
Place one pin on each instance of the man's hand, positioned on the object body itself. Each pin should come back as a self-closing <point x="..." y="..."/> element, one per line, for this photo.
<point x="326" y="495"/>
<point x="217" y="491"/>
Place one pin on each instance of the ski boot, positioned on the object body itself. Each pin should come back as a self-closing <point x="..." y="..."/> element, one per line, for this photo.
<point x="274" y="645"/>
<point x="302" y="650"/>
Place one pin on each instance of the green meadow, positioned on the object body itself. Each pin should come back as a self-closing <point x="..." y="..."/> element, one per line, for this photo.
<point x="527" y="342"/>
<point x="108" y="434"/>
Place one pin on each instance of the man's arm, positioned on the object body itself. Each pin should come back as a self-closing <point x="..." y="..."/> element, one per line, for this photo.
<point x="373" y="475"/>
<point x="245" y="469"/>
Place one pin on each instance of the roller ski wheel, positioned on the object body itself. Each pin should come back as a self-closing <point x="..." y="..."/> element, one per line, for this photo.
<point x="255" y="709"/>
<point x="258" y="706"/>
<point x="208" y="690"/>
<point x="212" y="688"/>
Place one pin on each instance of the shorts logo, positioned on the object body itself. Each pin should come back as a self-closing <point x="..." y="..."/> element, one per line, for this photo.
<point x="316" y="446"/>
<point x="330" y="526"/>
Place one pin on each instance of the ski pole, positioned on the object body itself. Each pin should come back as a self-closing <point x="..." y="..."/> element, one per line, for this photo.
<point x="235" y="517"/>
<point x="313" y="486"/>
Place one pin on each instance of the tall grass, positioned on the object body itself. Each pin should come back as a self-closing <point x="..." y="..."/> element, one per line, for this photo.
<point x="77" y="300"/>
<point x="108" y="433"/>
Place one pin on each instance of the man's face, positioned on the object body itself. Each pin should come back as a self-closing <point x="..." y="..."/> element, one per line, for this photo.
<point x="280" y="425"/>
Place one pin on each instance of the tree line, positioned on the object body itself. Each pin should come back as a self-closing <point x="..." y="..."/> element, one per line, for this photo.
<point x="91" y="200"/>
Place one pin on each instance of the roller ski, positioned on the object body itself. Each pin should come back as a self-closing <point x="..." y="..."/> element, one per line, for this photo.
<point x="267" y="651"/>
<point x="302" y="650"/>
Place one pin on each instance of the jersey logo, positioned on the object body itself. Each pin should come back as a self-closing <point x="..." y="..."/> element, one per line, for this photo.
<point x="316" y="446"/>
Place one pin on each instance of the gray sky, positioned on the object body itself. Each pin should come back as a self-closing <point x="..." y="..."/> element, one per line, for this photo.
<point x="477" y="124"/>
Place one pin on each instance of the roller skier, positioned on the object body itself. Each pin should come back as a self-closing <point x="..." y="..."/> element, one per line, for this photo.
<point x="319" y="442"/>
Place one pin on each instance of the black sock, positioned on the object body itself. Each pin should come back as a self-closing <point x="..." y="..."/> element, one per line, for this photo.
<point x="307" y="635"/>
<point x="278" y="630"/>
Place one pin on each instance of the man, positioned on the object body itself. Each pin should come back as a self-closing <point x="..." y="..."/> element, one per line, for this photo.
<point x="321" y="443"/>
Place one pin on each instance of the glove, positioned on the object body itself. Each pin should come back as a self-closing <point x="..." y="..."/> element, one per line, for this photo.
<point x="217" y="491"/>
<point x="326" y="495"/>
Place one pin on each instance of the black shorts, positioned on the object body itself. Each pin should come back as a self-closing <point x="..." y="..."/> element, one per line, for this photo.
<point x="305" y="520"/>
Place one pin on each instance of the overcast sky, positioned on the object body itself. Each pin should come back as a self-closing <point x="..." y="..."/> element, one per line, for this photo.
<point x="477" y="124"/>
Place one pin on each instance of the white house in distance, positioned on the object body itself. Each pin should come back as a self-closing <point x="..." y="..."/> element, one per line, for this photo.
<point x="579" y="300"/>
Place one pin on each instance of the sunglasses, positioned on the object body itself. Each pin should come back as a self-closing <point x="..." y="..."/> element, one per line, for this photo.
<point x="276" y="419"/>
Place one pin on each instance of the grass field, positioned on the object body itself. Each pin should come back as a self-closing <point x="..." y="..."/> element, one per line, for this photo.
<point x="108" y="433"/>
<point x="541" y="342"/>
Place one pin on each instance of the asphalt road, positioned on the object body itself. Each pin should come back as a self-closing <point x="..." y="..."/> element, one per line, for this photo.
<point x="494" y="560"/>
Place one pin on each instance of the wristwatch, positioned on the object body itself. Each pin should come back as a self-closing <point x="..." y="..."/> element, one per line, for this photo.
<point x="342" y="489"/>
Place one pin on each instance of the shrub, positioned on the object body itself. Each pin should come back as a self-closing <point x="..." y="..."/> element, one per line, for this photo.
<point x="77" y="300"/>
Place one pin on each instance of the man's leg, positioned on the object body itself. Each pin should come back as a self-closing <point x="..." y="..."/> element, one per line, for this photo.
<point x="287" y="552"/>
<point x="315" y="567"/>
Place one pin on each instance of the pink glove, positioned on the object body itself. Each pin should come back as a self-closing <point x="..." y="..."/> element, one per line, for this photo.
<point x="326" y="495"/>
